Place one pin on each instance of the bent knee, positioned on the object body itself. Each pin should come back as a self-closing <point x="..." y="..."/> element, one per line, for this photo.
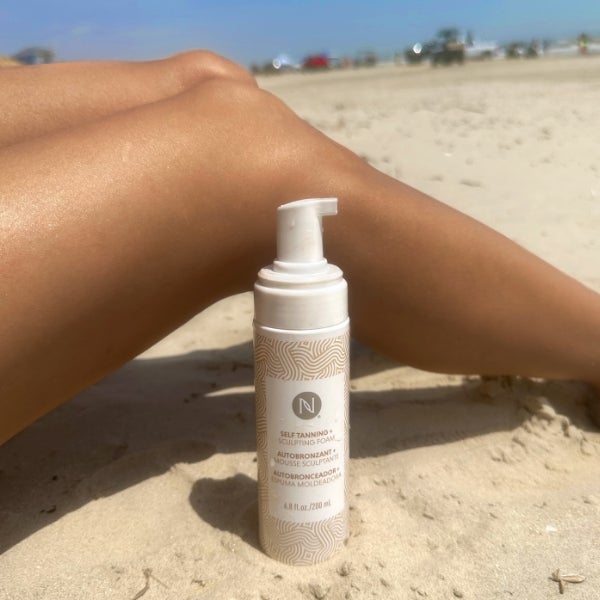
<point x="253" y="127"/>
<point x="240" y="107"/>
<point x="197" y="66"/>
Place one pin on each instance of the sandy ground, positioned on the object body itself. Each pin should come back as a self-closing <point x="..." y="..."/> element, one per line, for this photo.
<point x="145" y="484"/>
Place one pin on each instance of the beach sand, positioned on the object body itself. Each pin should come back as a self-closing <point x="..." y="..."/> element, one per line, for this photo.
<point x="144" y="486"/>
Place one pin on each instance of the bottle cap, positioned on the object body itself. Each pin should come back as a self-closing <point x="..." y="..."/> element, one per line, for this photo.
<point x="300" y="235"/>
<point x="301" y="290"/>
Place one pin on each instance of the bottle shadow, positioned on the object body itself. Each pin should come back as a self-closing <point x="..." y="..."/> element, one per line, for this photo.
<point x="154" y="413"/>
<point x="228" y="505"/>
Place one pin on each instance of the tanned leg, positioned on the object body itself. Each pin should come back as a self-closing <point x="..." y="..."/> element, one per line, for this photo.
<point x="117" y="231"/>
<point x="36" y="100"/>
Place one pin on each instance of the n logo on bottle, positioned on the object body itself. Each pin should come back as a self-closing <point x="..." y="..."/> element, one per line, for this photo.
<point x="306" y="405"/>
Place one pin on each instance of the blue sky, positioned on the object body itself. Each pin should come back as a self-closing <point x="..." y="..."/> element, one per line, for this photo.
<point x="249" y="31"/>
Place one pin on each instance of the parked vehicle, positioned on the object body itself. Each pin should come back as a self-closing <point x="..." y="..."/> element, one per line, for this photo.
<point x="417" y="53"/>
<point x="448" y="48"/>
<point x="316" y="62"/>
<point x="445" y="49"/>
<point x="282" y="63"/>
<point x="478" y="50"/>
<point x="365" y="59"/>
<point x="523" y="50"/>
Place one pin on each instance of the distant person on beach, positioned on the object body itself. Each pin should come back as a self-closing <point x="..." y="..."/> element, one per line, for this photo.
<point x="583" y="40"/>
<point x="134" y="195"/>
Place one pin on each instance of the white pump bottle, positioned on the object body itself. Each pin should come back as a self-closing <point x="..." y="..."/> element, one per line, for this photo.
<point x="301" y="340"/>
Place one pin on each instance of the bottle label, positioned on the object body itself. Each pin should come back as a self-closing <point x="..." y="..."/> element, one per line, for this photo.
<point x="302" y="383"/>
<point x="305" y="437"/>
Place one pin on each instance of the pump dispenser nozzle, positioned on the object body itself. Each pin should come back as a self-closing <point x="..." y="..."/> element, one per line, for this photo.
<point x="300" y="235"/>
<point x="301" y="290"/>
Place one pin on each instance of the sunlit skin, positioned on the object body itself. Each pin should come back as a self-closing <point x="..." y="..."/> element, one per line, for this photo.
<point x="134" y="195"/>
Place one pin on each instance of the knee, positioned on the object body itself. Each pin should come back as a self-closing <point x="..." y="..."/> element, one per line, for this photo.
<point x="197" y="66"/>
<point x="247" y="121"/>
<point x="259" y="143"/>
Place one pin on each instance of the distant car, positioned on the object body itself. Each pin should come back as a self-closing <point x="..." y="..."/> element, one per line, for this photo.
<point x="365" y="59"/>
<point x="284" y="62"/>
<point x="417" y="53"/>
<point x="315" y="62"/>
<point x="445" y="49"/>
<point x="478" y="50"/>
<point x="523" y="50"/>
<point x="447" y="52"/>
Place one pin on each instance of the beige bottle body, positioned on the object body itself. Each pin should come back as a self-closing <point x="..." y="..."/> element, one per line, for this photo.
<point x="302" y="423"/>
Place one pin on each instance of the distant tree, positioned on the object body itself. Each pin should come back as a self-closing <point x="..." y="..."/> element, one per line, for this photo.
<point x="35" y="56"/>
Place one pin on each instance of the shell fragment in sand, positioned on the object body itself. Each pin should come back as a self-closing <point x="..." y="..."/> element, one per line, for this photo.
<point x="561" y="579"/>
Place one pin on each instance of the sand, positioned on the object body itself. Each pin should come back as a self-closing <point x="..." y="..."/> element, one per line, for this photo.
<point x="145" y="484"/>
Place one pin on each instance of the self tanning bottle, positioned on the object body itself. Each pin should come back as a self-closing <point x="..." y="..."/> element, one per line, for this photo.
<point x="301" y="355"/>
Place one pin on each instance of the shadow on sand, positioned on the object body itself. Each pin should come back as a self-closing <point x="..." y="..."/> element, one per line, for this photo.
<point x="154" y="413"/>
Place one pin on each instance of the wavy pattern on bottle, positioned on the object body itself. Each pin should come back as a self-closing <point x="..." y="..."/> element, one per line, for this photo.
<point x="300" y="361"/>
<point x="297" y="543"/>
<point x="303" y="543"/>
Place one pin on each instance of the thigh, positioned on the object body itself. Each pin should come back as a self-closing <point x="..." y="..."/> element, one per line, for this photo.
<point x="36" y="100"/>
<point x="117" y="231"/>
